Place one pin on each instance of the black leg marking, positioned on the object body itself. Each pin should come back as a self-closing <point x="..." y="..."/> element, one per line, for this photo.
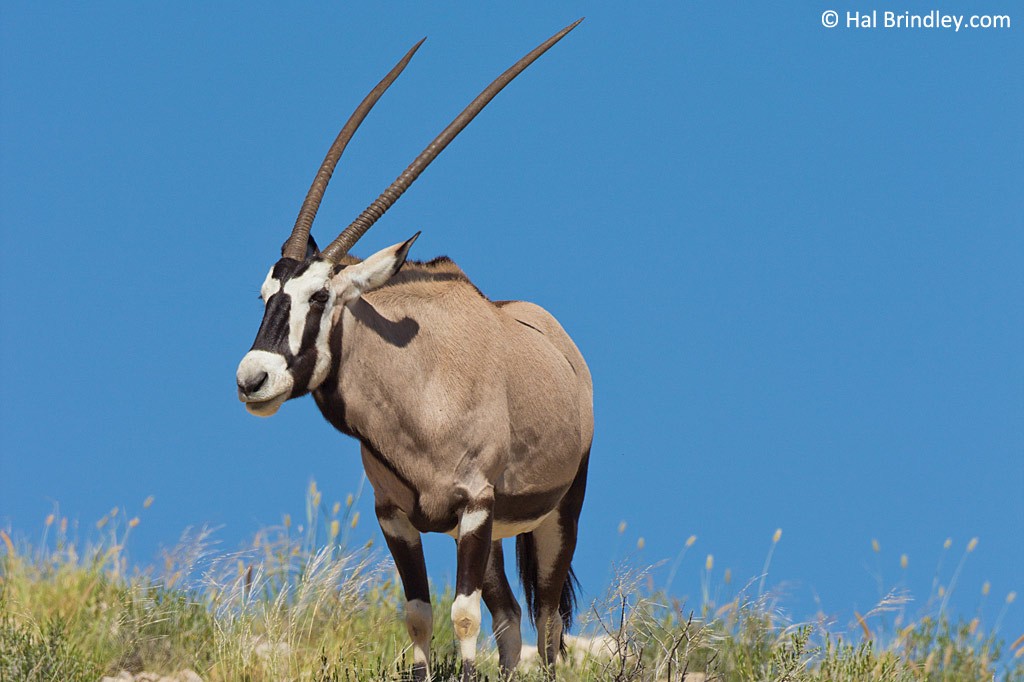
<point x="548" y="565"/>
<point x="474" y="546"/>
<point x="404" y="542"/>
<point x="505" y="612"/>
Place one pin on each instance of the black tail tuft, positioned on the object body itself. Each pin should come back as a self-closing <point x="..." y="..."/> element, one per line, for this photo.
<point x="526" y="559"/>
<point x="567" y="604"/>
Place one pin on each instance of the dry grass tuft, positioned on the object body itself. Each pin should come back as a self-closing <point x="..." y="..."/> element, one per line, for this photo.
<point x="299" y="603"/>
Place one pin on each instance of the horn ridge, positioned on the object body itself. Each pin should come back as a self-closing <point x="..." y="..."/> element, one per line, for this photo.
<point x="351" y="234"/>
<point x="295" y="247"/>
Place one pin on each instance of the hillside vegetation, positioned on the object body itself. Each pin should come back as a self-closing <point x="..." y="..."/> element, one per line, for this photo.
<point x="298" y="603"/>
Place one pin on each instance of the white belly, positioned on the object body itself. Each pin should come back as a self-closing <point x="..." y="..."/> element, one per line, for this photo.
<point x="508" y="529"/>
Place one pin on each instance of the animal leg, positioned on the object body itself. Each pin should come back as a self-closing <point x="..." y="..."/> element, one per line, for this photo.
<point x="407" y="550"/>
<point x="505" y="611"/>
<point x="553" y="555"/>
<point x="474" y="545"/>
<point x="554" y="542"/>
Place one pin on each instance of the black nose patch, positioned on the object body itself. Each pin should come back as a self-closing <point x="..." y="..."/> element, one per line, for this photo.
<point x="252" y="384"/>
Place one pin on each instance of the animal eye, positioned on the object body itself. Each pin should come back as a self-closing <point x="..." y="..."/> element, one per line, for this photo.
<point x="319" y="297"/>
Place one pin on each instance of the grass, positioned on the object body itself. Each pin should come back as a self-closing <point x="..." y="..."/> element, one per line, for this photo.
<point x="299" y="603"/>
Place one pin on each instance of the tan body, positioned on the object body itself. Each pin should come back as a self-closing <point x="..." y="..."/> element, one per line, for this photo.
<point x="457" y="393"/>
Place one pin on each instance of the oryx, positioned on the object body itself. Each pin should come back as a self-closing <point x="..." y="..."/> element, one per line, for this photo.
<point x="475" y="416"/>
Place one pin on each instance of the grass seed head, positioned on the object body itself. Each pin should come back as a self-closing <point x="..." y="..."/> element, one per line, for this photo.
<point x="7" y="542"/>
<point x="1018" y="643"/>
<point x="863" y="625"/>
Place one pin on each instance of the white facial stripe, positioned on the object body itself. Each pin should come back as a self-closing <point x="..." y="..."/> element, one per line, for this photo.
<point x="323" y="347"/>
<point x="299" y="289"/>
<point x="270" y="286"/>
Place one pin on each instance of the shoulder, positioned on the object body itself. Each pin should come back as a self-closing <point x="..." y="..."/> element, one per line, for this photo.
<point x="435" y="277"/>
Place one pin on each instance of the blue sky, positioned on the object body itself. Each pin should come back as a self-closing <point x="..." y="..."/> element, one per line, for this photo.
<point x="791" y="256"/>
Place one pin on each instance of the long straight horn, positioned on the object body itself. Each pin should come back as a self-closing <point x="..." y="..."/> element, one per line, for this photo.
<point x="340" y="246"/>
<point x="295" y="247"/>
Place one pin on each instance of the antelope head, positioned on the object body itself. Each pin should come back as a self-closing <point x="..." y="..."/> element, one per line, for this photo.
<point x="305" y="291"/>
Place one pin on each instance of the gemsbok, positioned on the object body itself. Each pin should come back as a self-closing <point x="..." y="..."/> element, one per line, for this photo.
<point x="475" y="417"/>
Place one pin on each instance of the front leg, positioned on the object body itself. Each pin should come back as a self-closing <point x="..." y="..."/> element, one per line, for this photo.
<point x="474" y="544"/>
<point x="407" y="550"/>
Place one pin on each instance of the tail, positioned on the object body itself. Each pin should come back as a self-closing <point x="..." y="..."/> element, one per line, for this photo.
<point x="567" y="602"/>
<point x="526" y="559"/>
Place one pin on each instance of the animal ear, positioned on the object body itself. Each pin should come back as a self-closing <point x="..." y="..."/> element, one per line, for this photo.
<point x="373" y="272"/>
<point x="311" y="248"/>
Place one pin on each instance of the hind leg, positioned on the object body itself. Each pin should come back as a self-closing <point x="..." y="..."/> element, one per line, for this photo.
<point x="505" y="611"/>
<point x="554" y="542"/>
<point x="554" y="548"/>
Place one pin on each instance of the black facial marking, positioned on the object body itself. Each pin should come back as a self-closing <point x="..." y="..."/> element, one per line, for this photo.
<point x="274" y="330"/>
<point x="328" y="397"/>
<point x="287" y="268"/>
<point x="303" y="366"/>
<point x="273" y="333"/>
